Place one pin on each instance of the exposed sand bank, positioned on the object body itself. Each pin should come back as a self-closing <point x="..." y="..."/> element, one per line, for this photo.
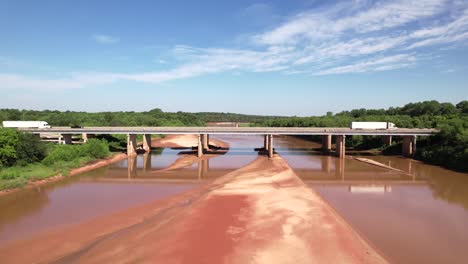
<point x="261" y="213"/>
<point x="185" y="141"/>
<point x="378" y="164"/>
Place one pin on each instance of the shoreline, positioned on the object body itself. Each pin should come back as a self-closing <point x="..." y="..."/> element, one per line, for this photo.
<point x="88" y="167"/>
<point x="181" y="141"/>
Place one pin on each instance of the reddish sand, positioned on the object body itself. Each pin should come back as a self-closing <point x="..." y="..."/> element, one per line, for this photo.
<point x="261" y="213"/>
<point x="185" y="141"/>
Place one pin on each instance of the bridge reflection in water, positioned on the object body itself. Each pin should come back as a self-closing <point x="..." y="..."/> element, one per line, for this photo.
<point x="330" y="171"/>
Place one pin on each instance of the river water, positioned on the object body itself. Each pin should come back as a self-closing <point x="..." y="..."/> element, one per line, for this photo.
<point x="419" y="215"/>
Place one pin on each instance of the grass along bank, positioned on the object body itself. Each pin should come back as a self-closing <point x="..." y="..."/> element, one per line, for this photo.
<point x="20" y="165"/>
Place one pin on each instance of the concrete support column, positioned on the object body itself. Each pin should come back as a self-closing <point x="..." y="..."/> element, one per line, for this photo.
<point x="409" y="146"/>
<point x="67" y="139"/>
<point x="340" y="146"/>
<point x="265" y="142"/>
<point x="387" y="140"/>
<point x="326" y="143"/>
<point x="86" y="137"/>
<point x="199" y="146"/>
<point x="131" y="145"/>
<point x="270" y="146"/>
<point x="147" y="142"/>
<point x="205" y="142"/>
<point x="131" y="167"/>
<point x="147" y="161"/>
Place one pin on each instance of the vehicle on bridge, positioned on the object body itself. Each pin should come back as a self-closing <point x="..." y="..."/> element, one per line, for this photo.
<point x="372" y="125"/>
<point x="26" y="124"/>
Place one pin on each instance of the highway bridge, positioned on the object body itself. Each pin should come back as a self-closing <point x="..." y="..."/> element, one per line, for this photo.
<point x="409" y="135"/>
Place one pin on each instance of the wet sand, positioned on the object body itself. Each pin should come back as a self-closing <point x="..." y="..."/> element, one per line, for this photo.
<point x="261" y="213"/>
<point x="185" y="141"/>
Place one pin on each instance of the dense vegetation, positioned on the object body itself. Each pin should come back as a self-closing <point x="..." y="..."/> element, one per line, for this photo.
<point x="448" y="148"/>
<point x="155" y="117"/>
<point x="23" y="157"/>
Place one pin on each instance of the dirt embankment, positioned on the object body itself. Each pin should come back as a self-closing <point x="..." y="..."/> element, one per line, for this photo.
<point x="185" y="141"/>
<point x="261" y="213"/>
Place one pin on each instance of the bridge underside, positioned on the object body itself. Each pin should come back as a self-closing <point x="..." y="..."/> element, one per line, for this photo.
<point x="408" y="146"/>
<point x="408" y="135"/>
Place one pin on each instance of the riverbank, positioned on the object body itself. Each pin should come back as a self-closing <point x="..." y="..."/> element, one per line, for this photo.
<point x="261" y="213"/>
<point x="39" y="174"/>
<point x="57" y="177"/>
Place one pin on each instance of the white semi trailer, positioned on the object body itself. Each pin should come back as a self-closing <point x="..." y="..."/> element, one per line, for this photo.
<point x="372" y="125"/>
<point x="26" y="124"/>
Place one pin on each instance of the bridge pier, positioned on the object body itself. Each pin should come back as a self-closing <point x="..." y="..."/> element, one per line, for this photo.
<point x="340" y="146"/>
<point x="147" y="142"/>
<point x="206" y="142"/>
<point x="67" y="139"/>
<point x="200" y="146"/>
<point x="387" y="140"/>
<point x="326" y="143"/>
<point x="131" y="167"/>
<point x="265" y="142"/>
<point x="131" y="145"/>
<point x="86" y="137"/>
<point x="147" y="161"/>
<point x="270" y="146"/>
<point x="409" y="146"/>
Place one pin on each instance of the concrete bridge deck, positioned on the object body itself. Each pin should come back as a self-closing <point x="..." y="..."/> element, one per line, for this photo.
<point x="340" y="133"/>
<point x="238" y="131"/>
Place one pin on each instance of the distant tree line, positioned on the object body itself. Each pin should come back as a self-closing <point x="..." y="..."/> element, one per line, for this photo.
<point x="448" y="148"/>
<point x="155" y="117"/>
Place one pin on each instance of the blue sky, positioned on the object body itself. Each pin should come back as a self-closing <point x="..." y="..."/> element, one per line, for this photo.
<point x="297" y="57"/>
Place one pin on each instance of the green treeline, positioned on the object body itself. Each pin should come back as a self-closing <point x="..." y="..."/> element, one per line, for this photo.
<point x="449" y="148"/>
<point x="155" y="117"/>
<point x="24" y="158"/>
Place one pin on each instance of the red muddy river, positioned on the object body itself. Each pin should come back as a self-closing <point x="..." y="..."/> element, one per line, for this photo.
<point x="420" y="216"/>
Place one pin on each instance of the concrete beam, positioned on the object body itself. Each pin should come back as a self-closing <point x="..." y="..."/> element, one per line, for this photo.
<point x="270" y="146"/>
<point x="200" y="146"/>
<point x="67" y="139"/>
<point x="340" y="146"/>
<point x="409" y="146"/>
<point x="131" y="145"/>
<point x="86" y="137"/>
<point x="147" y="142"/>
<point x="387" y="140"/>
<point x="326" y="143"/>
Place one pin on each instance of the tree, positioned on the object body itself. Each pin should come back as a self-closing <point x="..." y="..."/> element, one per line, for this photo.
<point x="8" y="141"/>
<point x="462" y="107"/>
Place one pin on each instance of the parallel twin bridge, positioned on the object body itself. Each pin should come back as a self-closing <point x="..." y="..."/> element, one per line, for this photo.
<point x="408" y="149"/>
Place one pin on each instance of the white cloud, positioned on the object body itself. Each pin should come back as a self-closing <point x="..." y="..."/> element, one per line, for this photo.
<point x="380" y="64"/>
<point x="105" y="39"/>
<point x="322" y="24"/>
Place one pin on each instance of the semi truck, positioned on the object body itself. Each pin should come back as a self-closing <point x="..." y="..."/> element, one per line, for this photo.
<point x="26" y="124"/>
<point x="372" y="125"/>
